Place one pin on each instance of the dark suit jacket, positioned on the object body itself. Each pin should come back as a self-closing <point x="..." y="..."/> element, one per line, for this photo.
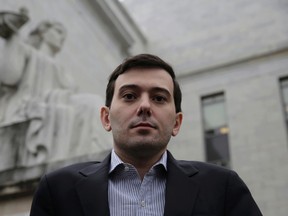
<point x="192" y="188"/>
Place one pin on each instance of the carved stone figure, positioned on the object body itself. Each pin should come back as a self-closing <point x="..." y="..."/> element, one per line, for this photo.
<point x="38" y="103"/>
<point x="10" y="22"/>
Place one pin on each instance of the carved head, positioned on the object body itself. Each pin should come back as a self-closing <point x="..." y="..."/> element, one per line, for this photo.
<point x="51" y="33"/>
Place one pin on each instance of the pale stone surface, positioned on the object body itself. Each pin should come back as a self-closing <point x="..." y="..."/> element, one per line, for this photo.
<point x="90" y="52"/>
<point x="258" y="134"/>
<point x="213" y="45"/>
<point x="197" y="34"/>
<point x="92" y="49"/>
<point x="8" y="207"/>
<point x="37" y="92"/>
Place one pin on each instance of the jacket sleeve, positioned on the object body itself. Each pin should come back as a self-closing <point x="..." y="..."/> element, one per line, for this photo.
<point x="42" y="203"/>
<point x="239" y="200"/>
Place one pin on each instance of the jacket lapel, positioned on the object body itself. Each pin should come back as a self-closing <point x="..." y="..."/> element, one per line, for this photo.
<point x="93" y="189"/>
<point x="181" y="188"/>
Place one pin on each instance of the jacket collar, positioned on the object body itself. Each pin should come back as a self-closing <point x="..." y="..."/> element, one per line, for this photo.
<point x="92" y="190"/>
<point x="181" y="188"/>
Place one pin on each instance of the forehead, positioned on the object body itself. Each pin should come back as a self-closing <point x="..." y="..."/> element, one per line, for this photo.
<point x="145" y="78"/>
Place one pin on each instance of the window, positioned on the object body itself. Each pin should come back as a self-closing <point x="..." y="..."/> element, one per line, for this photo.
<point x="216" y="129"/>
<point x="284" y="91"/>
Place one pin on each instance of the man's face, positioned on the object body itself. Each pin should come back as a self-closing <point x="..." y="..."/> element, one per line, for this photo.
<point x="142" y="114"/>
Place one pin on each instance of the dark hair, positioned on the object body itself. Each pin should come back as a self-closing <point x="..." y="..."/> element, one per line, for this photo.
<point x="143" y="61"/>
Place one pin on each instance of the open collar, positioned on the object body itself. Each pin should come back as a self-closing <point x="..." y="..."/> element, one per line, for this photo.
<point x="181" y="188"/>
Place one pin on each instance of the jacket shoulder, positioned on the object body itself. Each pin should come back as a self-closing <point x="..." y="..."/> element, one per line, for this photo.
<point x="197" y="167"/>
<point x="202" y="165"/>
<point x="70" y="171"/>
<point x="203" y="168"/>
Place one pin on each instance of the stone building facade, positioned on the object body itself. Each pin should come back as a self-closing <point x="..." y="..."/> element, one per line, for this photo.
<point x="230" y="57"/>
<point x="238" y="51"/>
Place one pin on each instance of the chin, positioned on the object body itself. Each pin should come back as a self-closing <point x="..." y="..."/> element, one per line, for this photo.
<point x="146" y="149"/>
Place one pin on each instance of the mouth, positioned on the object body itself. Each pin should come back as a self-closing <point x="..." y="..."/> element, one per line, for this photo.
<point x="144" y="125"/>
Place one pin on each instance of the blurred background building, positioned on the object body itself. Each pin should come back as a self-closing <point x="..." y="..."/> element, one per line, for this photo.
<point x="230" y="57"/>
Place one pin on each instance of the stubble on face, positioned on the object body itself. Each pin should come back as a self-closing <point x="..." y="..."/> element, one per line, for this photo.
<point x="141" y="143"/>
<point x="146" y="135"/>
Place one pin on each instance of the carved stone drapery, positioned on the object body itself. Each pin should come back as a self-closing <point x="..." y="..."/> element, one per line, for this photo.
<point x="42" y="117"/>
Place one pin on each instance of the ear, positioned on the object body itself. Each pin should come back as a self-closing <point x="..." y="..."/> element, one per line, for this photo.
<point x="104" y="112"/>
<point x="178" y="123"/>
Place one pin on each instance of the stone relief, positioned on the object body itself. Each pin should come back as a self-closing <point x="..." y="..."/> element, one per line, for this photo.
<point x="42" y="117"/>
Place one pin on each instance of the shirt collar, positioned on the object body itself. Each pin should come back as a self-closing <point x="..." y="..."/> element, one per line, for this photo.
<point x="115" y="161"/>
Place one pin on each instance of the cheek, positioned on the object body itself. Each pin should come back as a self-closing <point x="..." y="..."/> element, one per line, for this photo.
<point x="118" y="118"/>
<point x="167" y="115"/>
<point x="167" y="121"/>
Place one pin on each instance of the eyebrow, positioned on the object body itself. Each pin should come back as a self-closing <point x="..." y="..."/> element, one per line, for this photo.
<point x="136" y="87"/>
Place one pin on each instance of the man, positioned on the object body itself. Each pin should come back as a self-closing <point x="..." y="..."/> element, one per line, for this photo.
<point x="140" y="177"/>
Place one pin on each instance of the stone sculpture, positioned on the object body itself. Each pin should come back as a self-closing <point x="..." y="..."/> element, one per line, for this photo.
<point x="42" y="118"/>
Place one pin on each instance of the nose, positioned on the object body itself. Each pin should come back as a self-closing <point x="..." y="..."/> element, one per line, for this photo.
<point x="144" y="106"/>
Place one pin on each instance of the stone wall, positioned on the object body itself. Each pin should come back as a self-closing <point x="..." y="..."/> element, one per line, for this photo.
<point x="239" y="48"/>
<point x="198" y="34"/>
<point x="257" y="130"/>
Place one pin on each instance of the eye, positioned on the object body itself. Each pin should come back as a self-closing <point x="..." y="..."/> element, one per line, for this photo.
<point x="160" y="99"/>
<point x="129" y="97"/>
